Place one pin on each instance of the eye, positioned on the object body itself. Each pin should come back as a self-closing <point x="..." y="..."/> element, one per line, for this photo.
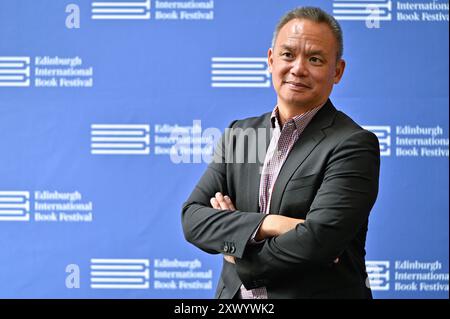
<point x="287" y="55"/>
<point x="315" y="60"/>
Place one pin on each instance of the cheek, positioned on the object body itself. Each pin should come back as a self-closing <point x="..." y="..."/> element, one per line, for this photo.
<point x="279" y="74"/>
<point x="323" y="79"/>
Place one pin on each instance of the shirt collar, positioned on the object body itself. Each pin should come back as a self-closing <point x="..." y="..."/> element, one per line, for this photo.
<point x="300" y="121"/>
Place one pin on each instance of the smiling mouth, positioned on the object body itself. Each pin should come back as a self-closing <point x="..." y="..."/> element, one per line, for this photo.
<point x="297" y="84"/>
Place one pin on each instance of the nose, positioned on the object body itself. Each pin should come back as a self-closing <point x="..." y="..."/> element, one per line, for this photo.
<point x="299" y="67"/>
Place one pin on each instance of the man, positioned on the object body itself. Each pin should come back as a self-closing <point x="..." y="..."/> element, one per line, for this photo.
<point x="295" y="228"/>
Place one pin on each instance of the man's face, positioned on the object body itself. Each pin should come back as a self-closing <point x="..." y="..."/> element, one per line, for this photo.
<point x="303" y="64"/>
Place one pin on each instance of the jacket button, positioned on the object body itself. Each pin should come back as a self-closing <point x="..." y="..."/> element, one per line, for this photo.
<point x="226" y="248"/>
<point x="232" y="249"/>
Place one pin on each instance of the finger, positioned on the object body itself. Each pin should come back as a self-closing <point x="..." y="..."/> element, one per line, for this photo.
<point x="221" y="201"/>
<point x="214" y="203"/>
<point x="229" y="202"/>
<point x="336" y="260"/>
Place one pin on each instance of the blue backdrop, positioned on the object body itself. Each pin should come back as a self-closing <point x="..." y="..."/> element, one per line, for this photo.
<point x="94" y="94"/>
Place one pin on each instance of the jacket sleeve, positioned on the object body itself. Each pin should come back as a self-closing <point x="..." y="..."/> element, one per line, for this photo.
<point x="212" y="230"/>
<point x="339" y="210"/>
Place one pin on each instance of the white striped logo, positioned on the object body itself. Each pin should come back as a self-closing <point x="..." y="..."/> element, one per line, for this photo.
<point x="384" y="137"/>
<point x="378" y="272"/>
<point x="239" y="72"/>
<point x="120" y="139"/>
<point x="14" y="206"/>
<point x="120" y="273"/>
<point x="14" y="71"/>
<point x="122" y="10"/>
<point x="362" y="10"/>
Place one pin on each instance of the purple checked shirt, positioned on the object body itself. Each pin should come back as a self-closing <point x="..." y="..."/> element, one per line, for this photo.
<point x="281" y="143"/>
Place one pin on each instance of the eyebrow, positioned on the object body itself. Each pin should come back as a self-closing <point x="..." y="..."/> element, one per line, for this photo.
<point x="315" y="52"/>
<point x="309" y="52"/>
<point x="287" y="47"/>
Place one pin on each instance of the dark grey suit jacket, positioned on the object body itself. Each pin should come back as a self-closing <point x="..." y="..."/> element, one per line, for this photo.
<point x="330" y="179"/>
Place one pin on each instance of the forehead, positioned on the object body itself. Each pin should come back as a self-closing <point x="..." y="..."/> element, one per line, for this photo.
<point x="297" y="32"/>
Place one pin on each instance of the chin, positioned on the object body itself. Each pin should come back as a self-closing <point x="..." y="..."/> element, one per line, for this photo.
<point x="297" y="100"/>
<point x="297" y="103"/>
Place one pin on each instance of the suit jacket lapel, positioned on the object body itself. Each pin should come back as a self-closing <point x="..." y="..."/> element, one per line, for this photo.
<point x="255" y="169"/>
<point x="311" y="136"/>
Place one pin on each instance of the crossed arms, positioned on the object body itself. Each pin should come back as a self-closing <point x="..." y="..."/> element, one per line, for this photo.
<point x="340" y="208"/>
<point x="271" y="226"/>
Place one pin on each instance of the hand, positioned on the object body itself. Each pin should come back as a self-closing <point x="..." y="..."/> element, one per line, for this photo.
<point x="222" y="202"/>
<point x="276" y="225"/>
<point x="229" y="258"/>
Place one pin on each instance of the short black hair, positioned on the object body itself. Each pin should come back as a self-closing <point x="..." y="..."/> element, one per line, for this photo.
<point x="316" y="15"/>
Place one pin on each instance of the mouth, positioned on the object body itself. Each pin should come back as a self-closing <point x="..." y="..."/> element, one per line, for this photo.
<point x="297" y="85"/>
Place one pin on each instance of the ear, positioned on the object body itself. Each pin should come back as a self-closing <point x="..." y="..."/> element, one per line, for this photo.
<point x="270" y="59"/>
<point x="340" y="67"/>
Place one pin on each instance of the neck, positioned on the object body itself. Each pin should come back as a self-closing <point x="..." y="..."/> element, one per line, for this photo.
<point x="287" y="112"/>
